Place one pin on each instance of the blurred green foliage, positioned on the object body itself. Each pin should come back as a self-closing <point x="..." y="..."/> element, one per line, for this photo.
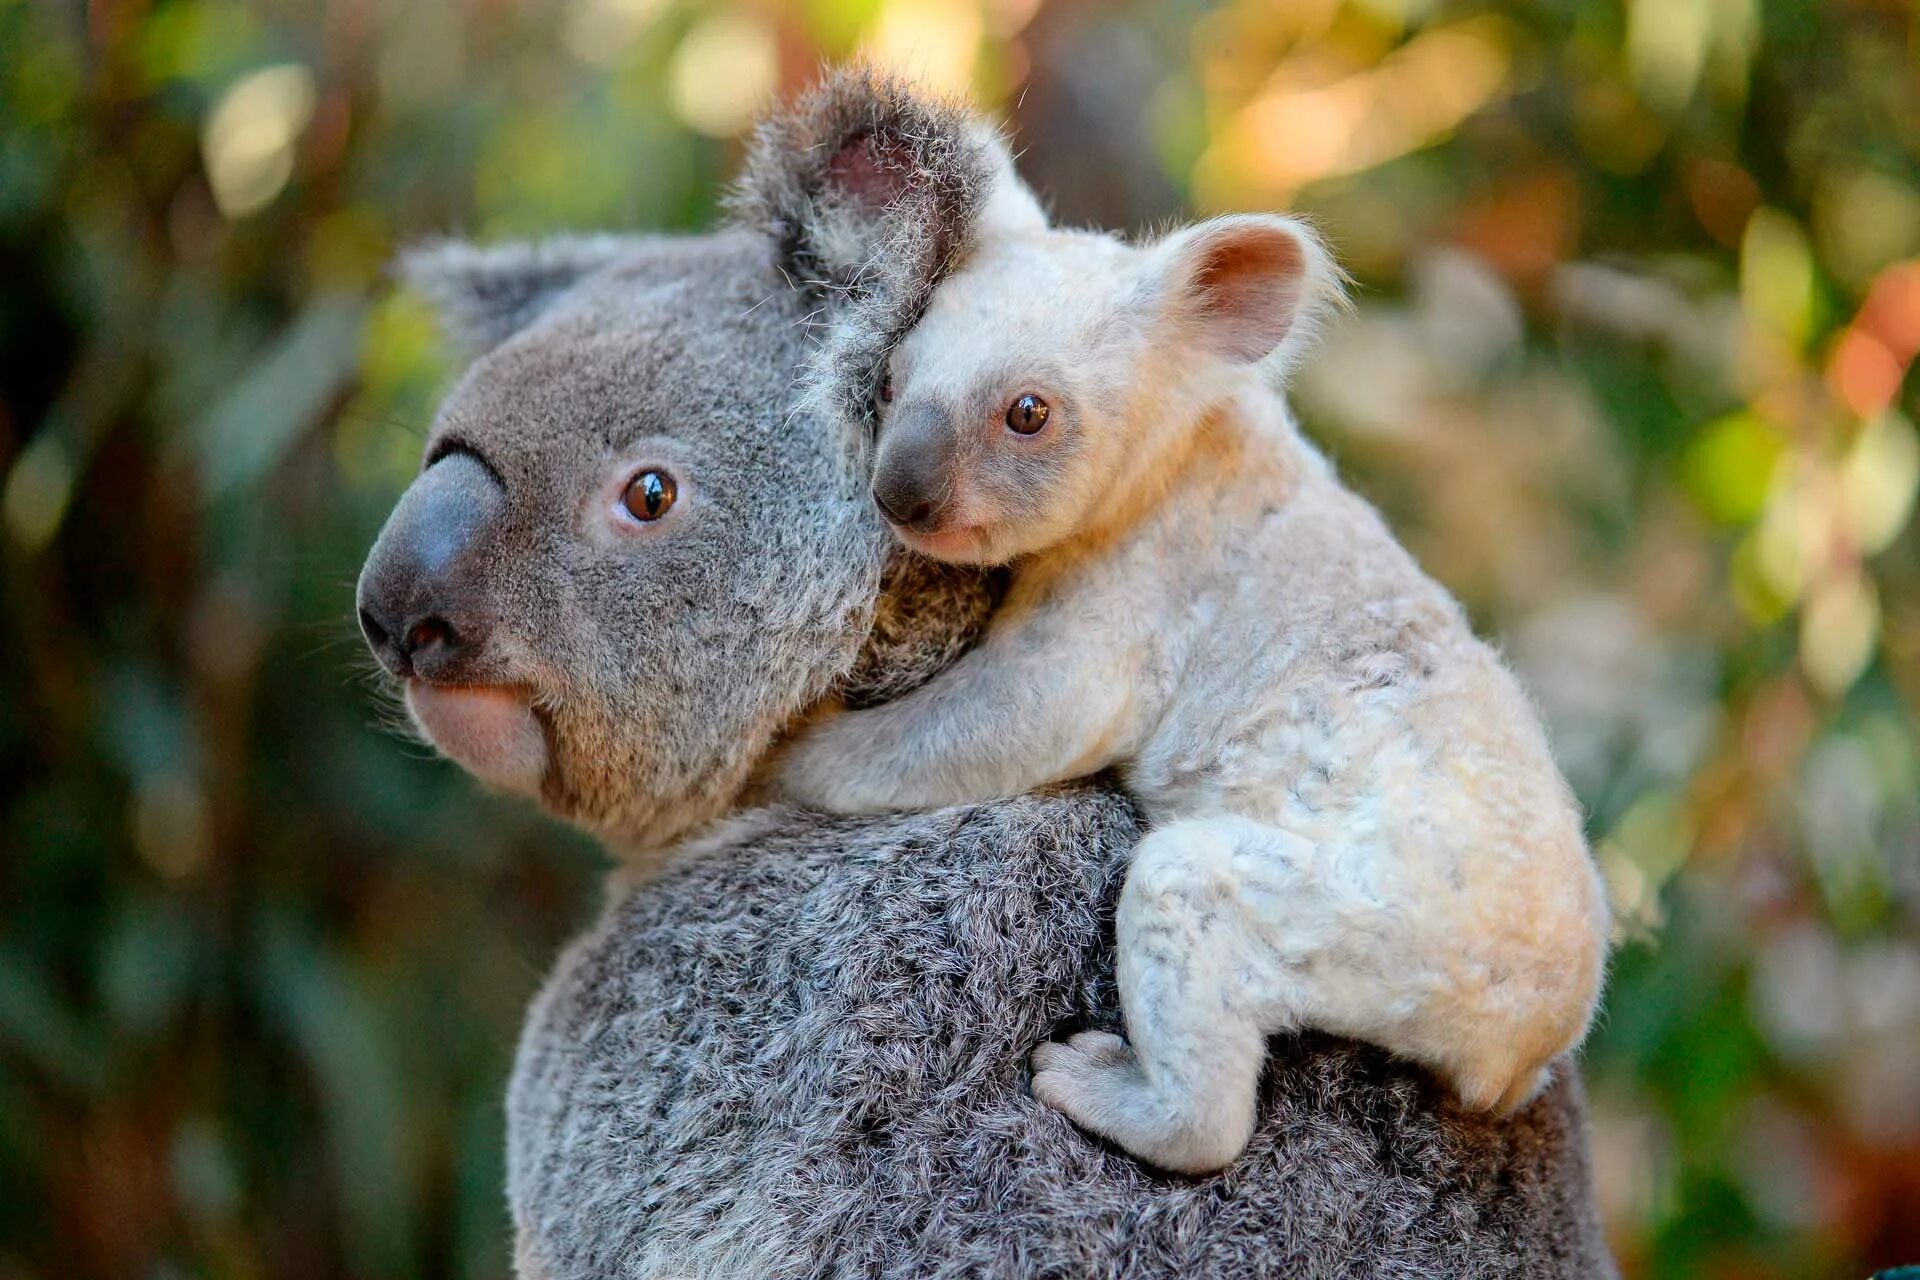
<point x="1638" y="305"/>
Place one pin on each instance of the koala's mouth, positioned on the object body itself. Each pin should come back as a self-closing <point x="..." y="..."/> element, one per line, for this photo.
<point x="488" y="730"/>
<point x="955" y="544"/>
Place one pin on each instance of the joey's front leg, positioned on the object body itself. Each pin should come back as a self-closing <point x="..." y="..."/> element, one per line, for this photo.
<point x="1006" y="718"/>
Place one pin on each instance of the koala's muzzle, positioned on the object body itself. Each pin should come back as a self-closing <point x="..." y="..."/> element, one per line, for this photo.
<point x="913" y="469"/>
<point x="422" y="592"/>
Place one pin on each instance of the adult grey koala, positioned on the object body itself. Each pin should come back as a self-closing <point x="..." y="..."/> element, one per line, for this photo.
<point x="794" y="1045"/>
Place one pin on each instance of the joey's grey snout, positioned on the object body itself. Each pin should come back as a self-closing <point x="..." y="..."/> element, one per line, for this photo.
<point x="913" y="469"/>
<point x="423" y="607"/>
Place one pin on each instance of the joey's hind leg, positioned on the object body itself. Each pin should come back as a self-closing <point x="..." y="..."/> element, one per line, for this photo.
<point x="1180" y="1092"/>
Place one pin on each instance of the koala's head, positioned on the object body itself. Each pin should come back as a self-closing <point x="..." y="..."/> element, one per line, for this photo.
<point x="630" y="559"/>
<point x="1052" y="370"/>
<point x="623" y="565"/>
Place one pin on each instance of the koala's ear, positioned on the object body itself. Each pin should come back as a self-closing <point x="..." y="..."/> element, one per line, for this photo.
<point x="487" y="294"/>
<point x="1246" y="287"/>
<point x="864" y="174"/>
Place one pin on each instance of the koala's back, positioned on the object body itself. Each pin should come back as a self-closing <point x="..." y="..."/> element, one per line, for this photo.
<point x="799" y="1053"/>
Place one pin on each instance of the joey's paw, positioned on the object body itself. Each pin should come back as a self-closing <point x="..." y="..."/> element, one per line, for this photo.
<point x="1095" y="1080"/>
<point x="1102" y="1047"/>
<point x="1502" y="1090"/>
<point x="812" y="773"/>
<point x="1087" y="1078"/>
<point x="789" y="779"/>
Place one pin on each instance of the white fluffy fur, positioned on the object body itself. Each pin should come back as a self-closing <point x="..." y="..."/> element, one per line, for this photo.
<point x="1358" y="825"/>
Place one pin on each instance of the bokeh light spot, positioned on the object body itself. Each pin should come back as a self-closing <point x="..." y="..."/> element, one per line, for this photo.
<point x="1729" y="467"/>
<point x="248" y="142"/>
<point x="722" y="74"/>
<point x="1838" y="629"/>
<point x="37" y="492"/>
<point x="933" y="42"/>
<point x="1878" y="481"/>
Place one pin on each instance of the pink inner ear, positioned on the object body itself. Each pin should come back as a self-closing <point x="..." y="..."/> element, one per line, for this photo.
<point x="1247" y="282"/>
<point x="859" y="172"/>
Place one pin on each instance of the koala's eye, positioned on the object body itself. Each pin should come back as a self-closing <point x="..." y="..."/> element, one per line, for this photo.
<point x="883" y="394"/>
<point x="1027" y="414"/>
<point x="649" y="495"/>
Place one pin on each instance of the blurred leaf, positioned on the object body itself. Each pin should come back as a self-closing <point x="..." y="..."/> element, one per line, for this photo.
<point x="281" y="396"/>
<point x="1728" y="469"/>
<point x="147" y="968"/>
<point x="33" y="1023"/>
<point x="198" y="40"/>
<point x="337" y="1026"/>
<point x="1777" y="281"/>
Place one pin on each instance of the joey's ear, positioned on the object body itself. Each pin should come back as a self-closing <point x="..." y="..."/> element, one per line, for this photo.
<point x="487" y="294"/>
<point x="1249" y="286"/>
<point x="1010" y="206"/>
<point x="864" y="175"/>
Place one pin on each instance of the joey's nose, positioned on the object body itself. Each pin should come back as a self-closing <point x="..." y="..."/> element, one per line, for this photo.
<point x="423" y="595"/>
<point x="904" y="508"/>
<point x="912" y="479"/>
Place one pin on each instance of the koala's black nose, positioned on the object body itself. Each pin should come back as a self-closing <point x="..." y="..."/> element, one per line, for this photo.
<point x="903" y="507"/>
<point x="912" y="472"/>
<point x="423" y="593"/>
<point x="421" y="646"/>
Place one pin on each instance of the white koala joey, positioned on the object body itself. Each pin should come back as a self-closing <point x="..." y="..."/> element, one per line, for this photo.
<point x="1356" y="821"/>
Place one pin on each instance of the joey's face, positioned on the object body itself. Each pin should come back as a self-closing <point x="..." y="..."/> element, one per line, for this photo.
<point x="1055" y="379"/>
<point x="623" y="567"/>
<point x="1002" y="412"/>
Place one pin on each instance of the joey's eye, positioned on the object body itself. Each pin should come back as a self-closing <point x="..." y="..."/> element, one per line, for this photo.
<point x="883" y="393"/>
<point x="649" y="495"/>
<point x="1027" y="414"/>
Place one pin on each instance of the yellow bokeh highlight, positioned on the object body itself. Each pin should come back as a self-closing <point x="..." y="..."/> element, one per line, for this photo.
<point x="1777" y="277"/>
<point x="1302" y="127"/>
<point x="39" y="486"/>
<point x="932" y="42"/>
<point x="1667" y="47"/>
<point x="1838" y="629"/>
<point x="1878" y="480"/>
<point x="723" y="74"/>
<point x="248" y="141"/>
<point x="1791" y="538"/>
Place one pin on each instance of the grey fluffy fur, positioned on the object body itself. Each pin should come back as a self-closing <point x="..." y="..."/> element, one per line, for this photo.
<point x="800" y="1053"/>
<point x="796" y="1049"/>
<point x="485" y="296"/>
